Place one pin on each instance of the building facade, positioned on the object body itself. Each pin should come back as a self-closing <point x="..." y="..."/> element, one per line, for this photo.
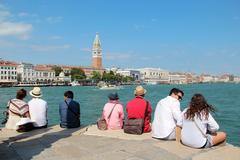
<point x="8" y="72"/>
<point x="43" y="74"/>
<point x="26" y="73"/>
<point x="154" y="76"/>
<point x="130" y="72"/>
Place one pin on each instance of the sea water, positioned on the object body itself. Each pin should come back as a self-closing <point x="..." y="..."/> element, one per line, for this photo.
<point x="224" y="97"/>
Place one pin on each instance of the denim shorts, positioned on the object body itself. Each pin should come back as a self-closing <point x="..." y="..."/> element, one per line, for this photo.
<point x="209" y="142"/>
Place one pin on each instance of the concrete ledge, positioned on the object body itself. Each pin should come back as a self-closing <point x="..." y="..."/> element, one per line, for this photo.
<point x="88" y="142"/>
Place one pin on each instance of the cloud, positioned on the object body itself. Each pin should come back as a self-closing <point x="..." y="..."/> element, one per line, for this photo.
<point x="86" y="49"/>
<point x="8" y="27"/>
<point x="15" y="29"/>
<point x="46" y="48"/>
<point x="55" y="37"/>
<point x="138" y="27"/>
<point x="54" y="19"/>
<point x="23" y="14"/>
<point x="4" y="14"/>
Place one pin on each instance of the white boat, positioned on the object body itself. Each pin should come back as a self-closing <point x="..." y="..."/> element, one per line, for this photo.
<point x="109" y="87"/>
<point x="75" y="83"/>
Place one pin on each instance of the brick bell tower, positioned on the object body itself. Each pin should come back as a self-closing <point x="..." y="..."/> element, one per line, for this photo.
<point x="97" y="53"/>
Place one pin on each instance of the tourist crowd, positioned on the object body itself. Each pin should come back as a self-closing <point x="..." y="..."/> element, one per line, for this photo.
<point x="194" y="126"/>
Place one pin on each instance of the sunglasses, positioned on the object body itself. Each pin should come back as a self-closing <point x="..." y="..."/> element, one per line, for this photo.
<point x="179" y="97"/>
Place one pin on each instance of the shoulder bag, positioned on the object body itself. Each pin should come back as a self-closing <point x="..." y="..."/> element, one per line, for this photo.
<point x="101" y="122"/>
<point x="135" y="126"/>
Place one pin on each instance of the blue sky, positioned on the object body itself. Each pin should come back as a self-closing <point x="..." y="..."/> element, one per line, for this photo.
<point x="193" y="36"/>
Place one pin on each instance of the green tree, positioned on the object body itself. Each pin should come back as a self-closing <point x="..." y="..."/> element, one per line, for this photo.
<point x="57" y="70"/>
<point x="77" y="74"/>
<point x="96" y="76"/>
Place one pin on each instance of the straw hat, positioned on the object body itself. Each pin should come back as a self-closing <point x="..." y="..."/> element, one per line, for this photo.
<point x="36" y="92"/>
<point x="24" y="121"/>
<point x="139" y="91"/>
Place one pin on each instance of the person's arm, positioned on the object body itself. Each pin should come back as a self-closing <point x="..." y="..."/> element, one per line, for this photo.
<point x="60" y="111"/>
<point x="121" y="112"/>
<point x="178" y="128"/>
<point x="46" y="111"/>
<point x="212" y="124"/>
<point x="149" y="111"/>
<point x="27" y="113"/>
<point x="176" y="112"/>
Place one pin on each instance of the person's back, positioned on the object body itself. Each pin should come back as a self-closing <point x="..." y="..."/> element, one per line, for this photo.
<point x="17" y="108"/>
<point x="136" y="109"/>
<point x="69" y="111"/>
<point x="115" y="108"/>
<point x="166" y="115"/>
<point x="164" y="123"/>
<point x="199" y="129"/>
<point x="38" y="112"/>
<point x="191" y="135"/>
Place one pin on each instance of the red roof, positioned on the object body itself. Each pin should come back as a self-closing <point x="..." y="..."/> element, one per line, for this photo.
<point x="8" y="63"/>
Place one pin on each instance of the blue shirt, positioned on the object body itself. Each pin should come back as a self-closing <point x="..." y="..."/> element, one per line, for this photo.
<point x="69" y="117"/>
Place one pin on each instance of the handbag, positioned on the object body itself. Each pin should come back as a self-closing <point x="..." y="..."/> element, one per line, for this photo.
<point x="101" y="122"/>
<point x="135" y="126"/>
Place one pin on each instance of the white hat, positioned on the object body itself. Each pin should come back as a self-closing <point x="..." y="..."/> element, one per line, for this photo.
<point x="36" y="92"/>
<point x="23" y="121"/>
<point x="139" y="91"/>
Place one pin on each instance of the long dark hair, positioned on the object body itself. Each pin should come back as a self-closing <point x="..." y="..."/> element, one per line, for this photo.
<point x="198" y="106"/>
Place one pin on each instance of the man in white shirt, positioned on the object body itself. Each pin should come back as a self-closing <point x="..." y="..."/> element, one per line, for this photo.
<point x="38" y="108"/>
<point x="166" y="115"/>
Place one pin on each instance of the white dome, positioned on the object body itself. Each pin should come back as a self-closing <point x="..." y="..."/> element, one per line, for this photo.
<point x="62" y="74"/>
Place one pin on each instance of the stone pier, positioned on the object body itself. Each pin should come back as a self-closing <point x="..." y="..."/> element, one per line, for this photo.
<point x="89" y="143"/>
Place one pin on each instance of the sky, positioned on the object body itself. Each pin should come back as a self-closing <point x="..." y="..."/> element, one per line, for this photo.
<point x="186" y="36"/>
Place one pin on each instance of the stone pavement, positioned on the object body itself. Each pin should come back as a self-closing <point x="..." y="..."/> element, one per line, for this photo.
<point x="89" y="143"/>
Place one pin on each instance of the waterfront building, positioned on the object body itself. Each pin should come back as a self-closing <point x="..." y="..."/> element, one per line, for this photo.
<point x="25" y="72"/>
<point x="130" y="72"/>
<point x="44" y="74"/>
<point x="8" y="72"/>
<point x="206" y="78"/>
<point x="236" y="79"/>
<point x="63" y="78"/>
<point x="154" y="75"/>
<point x="178" y="78"/>
<point x="226" y="78"/>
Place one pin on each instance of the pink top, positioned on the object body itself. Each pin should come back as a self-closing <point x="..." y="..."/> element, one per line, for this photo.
<point x="117" y="116"/>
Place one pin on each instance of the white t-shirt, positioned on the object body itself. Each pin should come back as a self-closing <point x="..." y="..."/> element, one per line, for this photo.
<point x="191" y="135"/>
<point x="166" y="115"/>
<point x="38" y="111"/>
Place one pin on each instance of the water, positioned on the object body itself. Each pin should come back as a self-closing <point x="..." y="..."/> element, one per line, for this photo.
<point x="225" y="98"/>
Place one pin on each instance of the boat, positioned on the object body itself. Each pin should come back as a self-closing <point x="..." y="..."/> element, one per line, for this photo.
<point x="109" y="87"/>
<point x="105" y="86"/>
<point x="75" y="83"/>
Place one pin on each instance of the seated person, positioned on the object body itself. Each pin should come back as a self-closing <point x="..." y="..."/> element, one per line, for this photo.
<point x="38" y="109"/>
<point x="113" y="112"/>
<point x="69" y="111"/>
<point x="199" y="129"/>
<point x="137" y="106"/>
<point x="166" y="115"/>
<point x="17" y="108"/>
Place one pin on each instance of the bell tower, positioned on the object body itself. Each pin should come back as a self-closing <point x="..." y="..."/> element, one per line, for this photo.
<point x="97" y="53"/>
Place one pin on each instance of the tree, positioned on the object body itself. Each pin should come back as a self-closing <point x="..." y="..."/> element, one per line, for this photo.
<point x="57" y="70"/>
<point x="96" y="76"/>
<point x="77" y="74"/>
